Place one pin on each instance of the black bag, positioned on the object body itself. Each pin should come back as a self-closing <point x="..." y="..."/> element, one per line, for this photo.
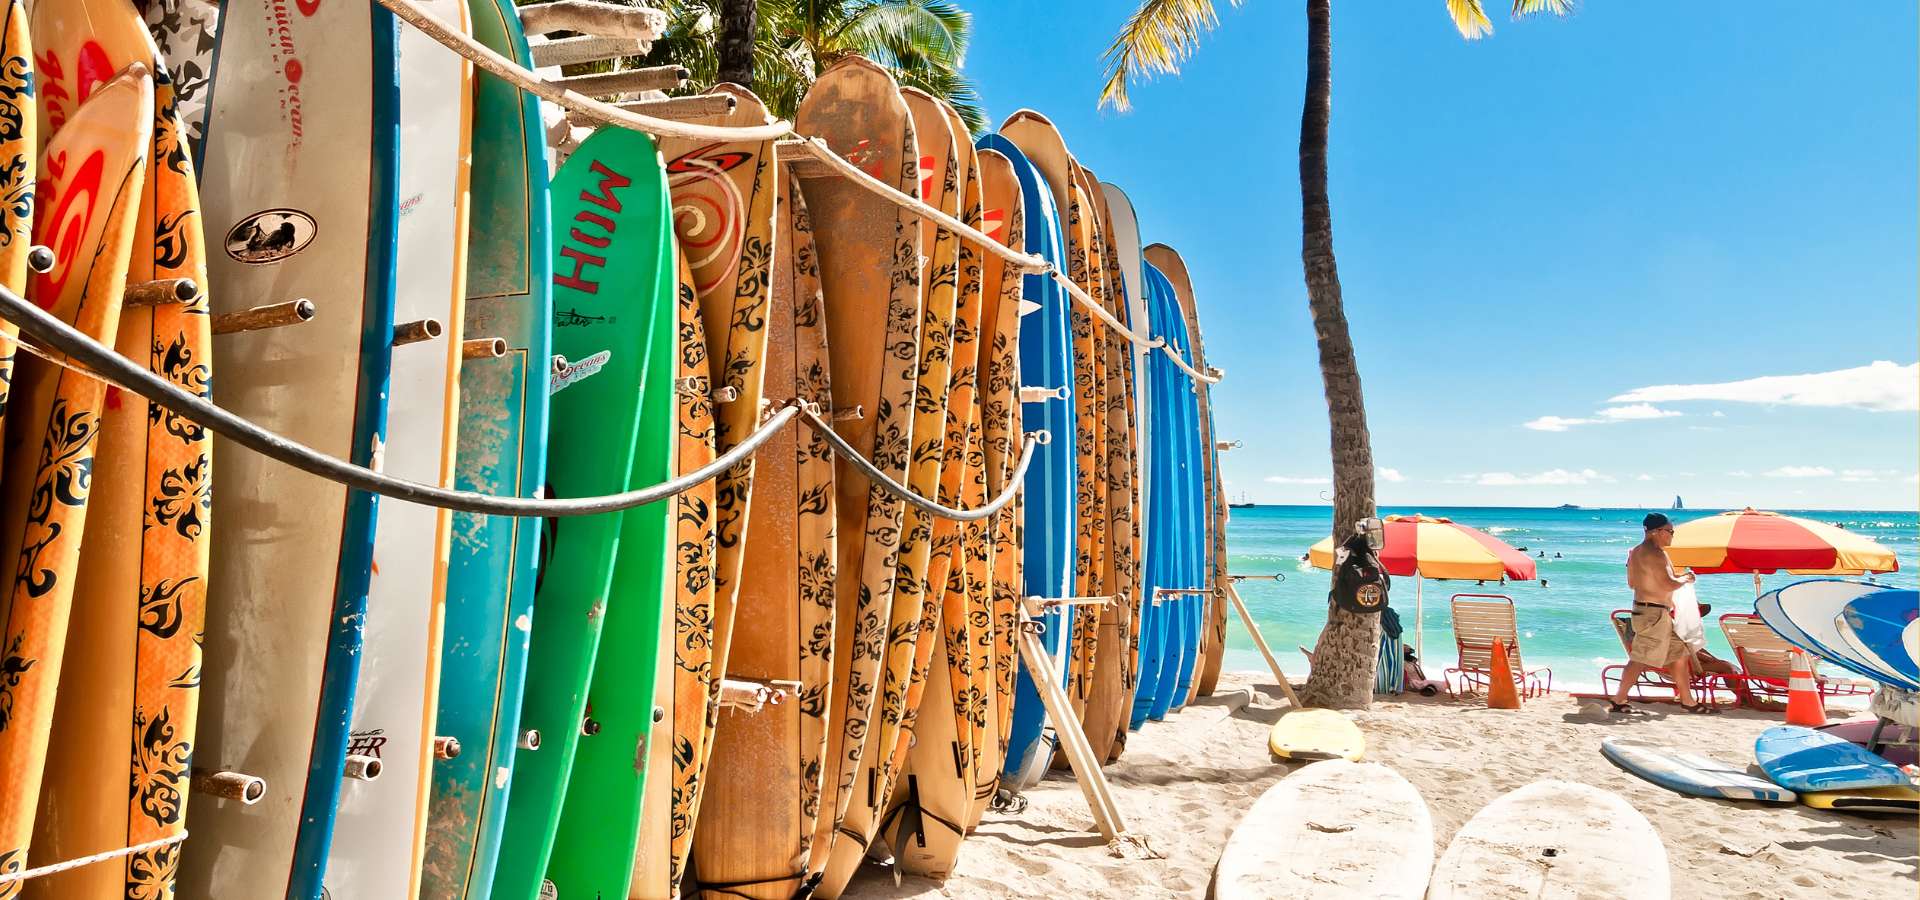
<point x="1360" y="582"/>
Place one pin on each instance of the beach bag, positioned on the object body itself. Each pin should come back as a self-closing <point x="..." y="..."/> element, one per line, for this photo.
<point x="1686" y="618"/>
<point x="1360" y="582"/>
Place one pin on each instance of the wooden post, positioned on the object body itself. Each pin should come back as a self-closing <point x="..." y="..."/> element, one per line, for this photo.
<point x="1261" y="642"/>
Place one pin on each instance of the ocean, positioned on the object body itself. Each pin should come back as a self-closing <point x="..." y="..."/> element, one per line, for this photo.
<point x="1563" y="623"/>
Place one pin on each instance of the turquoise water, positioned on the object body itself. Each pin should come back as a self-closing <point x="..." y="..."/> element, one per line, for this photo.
<point x="1562" y="624"/>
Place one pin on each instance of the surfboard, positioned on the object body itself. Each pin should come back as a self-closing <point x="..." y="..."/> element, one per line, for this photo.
<point x="1307" y="734"/>
<point x="723" y="221"/>
<point x="1331" y="829"/>
<point x="381" y="825"/>
<point x="870" y="278"/>
<point x="1554" y="839"/>
<point x="1898" y="800"/>
<point x="927" y="808"/>
<point x="19" y="151"/>
<point x="601" y="578"/>
<point x="763" y="783"/>
<point x="1691" y="773"/>
<point x="656" y="867"/>
<point x="998" y="367"/>
<point x="1196" y="547"/>
<point x="1041" y="142"/>
<point x="1805" y="760"/>
<point x="1048" y="522"/>
<point x="287" y="597"/>
<point x="139" y="688"/>
<point x="186" y="32"/>
<point x="501" y="448"/>
<point x="1118" y="580"/>
<point x="1808" y="615"/>
<point x="93" y="173"/>
<point x="916" y="606"/>
<point x="1874" y="625"/>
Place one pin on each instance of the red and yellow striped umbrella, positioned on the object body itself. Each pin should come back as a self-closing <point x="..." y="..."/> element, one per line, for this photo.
<point x="1767" y="542"/>
<point x="1439" y="548"/>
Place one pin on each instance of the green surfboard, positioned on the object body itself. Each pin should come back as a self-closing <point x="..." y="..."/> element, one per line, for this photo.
<point x="612" y="430"/>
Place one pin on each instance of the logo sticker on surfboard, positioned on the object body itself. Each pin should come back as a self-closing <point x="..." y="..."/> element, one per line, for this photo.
<point x="270" y="235"/>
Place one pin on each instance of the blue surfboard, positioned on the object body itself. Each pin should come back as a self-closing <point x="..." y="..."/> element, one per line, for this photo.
<point x="1690" y="773"/>
<point x="1808" y="613"/>
<point x="1802" y="759"/>
<point x="1876" y="621"/>
<point x="1046" y="360"/>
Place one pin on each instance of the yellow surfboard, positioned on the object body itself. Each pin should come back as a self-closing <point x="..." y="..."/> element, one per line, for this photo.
<point x="94" y="172"/>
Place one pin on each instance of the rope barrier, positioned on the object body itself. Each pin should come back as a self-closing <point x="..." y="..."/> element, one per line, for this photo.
<point x="57" y="868"/>
<point x="593" y="110"/>
<point x="101" y="362"/>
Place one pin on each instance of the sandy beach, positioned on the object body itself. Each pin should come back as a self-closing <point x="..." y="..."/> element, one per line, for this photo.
<point x="1185" y="782"/>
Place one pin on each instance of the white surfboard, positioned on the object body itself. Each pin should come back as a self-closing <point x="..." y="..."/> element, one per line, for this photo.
<point x="294" y="208"/>
<point x="1334" y="829"/>
<point x="1554" y="840"/>
<point x="380" y="827"/>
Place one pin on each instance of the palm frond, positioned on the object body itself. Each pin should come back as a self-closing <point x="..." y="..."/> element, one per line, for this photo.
<point x="1154" y="41"/>
<point x="1472" y="20"/>
<point x="936" y="29"/>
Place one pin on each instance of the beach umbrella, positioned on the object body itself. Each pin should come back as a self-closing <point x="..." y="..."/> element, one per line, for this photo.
<point x="1429" y="547"/>
<point x="1763" y="543"/>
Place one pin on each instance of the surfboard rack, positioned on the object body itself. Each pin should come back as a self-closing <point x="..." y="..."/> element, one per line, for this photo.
<point x="416" y="331"/>
<point x="483" y="348"/>
<point x="1073" y="742"/>
<point x="248" y="789"/>
<point x="446" y="748"/>
<point x="277" y="315"/>
<point x="361" y="767"/>
<point x="160" y="292"/>
<point x="750" y="695"/>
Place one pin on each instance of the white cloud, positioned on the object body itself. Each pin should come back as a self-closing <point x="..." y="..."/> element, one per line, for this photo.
<point x="1643" y="477"/>
<point x="1385" y="474"/>
<point x="1636" y="411"/>
<point x="1557" y="423"/>
<point x="1801" y="472"/>
<point x="1549" y="477"/>
<point x="1881" y="387"/>
<point x="1290" y="479"/>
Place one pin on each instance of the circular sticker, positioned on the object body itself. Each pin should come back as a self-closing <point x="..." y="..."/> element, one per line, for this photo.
<point x="270" y="235"/>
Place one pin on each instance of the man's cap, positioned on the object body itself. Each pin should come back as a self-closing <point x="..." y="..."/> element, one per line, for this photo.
<point x="1655" y="520"/>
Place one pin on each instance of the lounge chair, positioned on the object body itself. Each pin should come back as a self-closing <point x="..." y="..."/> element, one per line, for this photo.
<point x="1657" y="684"/>
<point x="1766" y="660"/>
<point x="1478" y="621"/>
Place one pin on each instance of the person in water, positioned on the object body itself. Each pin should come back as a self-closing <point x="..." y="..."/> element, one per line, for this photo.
<point x="1655" y="643"/>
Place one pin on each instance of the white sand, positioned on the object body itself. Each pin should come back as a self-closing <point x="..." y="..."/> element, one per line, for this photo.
<point x="1184" y="783"/>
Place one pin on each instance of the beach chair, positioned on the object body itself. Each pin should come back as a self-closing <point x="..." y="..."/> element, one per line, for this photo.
<point x="1719" y="688"/>
<point x="1479" y="620"/>
<point x="1766" y="660"/>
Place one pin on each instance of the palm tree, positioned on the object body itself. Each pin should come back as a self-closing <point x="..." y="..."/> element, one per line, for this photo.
<point x="1159" y="35"/>
<point x="923" y="43"/>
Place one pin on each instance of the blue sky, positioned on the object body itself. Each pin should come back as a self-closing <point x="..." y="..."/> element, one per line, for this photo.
<point x="1627" y="210"/>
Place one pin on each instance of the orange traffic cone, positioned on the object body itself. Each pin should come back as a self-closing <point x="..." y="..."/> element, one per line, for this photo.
<point x="1501" y="693"/>
<point x="1803" y="698"/>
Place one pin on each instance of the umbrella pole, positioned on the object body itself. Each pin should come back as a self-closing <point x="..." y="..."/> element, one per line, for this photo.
<point x="1419" y="621"/>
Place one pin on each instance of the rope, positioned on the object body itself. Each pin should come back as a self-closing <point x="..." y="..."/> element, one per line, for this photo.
<point x="56" y="868"/>
<point x="873" y="473"/>
<point x="98" y="361"/>
<point x="592" y="110"/>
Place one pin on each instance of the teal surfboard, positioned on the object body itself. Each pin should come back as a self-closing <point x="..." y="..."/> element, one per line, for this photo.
<point x="502" y="450"/>
<point x="613" y="295"/>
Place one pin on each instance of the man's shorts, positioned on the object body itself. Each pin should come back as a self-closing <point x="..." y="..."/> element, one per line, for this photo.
<point x="1654" y="641"/>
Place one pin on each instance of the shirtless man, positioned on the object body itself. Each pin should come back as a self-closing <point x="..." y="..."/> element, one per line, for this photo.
<point x="1655" y="645"/>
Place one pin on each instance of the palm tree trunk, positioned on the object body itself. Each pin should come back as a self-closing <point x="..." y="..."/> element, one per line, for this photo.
<point x="1344" y="658"/>
<point x="735" y="46"/>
